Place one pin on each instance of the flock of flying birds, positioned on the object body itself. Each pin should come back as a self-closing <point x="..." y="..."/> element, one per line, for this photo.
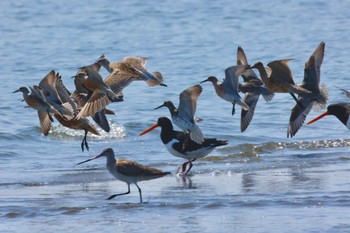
<point x="93" y="94"/>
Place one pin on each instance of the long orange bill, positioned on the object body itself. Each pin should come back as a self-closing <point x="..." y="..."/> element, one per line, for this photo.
<point x="319" y="117"/>
<point x="96" y="157"/>
<point x="149" y="129"/>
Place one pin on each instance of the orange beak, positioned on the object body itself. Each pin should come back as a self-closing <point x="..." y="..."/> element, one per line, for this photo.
<point x="319" y="117"/>
<point x="149" y="129"/>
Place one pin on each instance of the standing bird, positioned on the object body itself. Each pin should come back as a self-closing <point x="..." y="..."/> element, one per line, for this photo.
<point x="177" y="143"/>
<point x="318" y="95"/>
<point x="252" y="87"/>
<point x="340" y="110"/>
<point x="127" y="171"/>
<point x="228" y="88"/>
<point x="183" y="116"/>
<point x="129" y="69"/>
<point x="281" y="79"/>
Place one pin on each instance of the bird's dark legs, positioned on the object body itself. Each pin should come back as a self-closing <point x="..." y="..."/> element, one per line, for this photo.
<point x="139" y="192"/>
<point x="119" y="194"/>
<point x="296" y="100"/>
<point x="84" y="142"/>
<point x="233" y="108"/>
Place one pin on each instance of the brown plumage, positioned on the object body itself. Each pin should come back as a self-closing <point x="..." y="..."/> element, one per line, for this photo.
<point x="128" y="171"/>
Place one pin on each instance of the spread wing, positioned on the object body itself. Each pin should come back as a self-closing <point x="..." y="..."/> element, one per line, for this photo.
<point x="188" y="101"/>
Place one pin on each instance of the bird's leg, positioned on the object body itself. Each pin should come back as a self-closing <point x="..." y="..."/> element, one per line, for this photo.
<point x="84" y="142"/>
<point x="139" y="192"/>
<point x="184" y="167"/>
<point x="191" y="165"/>
<point x="119" y="194"/>
<point x="233" y="108"/>
<point x="296" y="100"/>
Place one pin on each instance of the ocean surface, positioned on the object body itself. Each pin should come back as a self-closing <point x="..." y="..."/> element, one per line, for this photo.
<point x="261" y="181"/>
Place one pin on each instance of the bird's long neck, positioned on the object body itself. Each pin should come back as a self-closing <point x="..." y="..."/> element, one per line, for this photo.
<point x="106" y="64"/>
<point x="111" y="162"/>
<point x="263" y="73"/>
<point x="173" y="110"/>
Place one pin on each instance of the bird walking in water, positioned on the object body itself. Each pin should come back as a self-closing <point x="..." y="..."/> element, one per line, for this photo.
<point x="228" y="88"/>
<point x="127" y="171"/>
<point x="318" y="95"/>
<point x="252" y="87"/>
<point x="177" y="143"/>
<point x="281" y="79"/>
<point x="183" y="116"/>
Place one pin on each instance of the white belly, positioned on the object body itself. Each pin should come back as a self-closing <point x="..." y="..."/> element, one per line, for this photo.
<point x="200" y="153"/>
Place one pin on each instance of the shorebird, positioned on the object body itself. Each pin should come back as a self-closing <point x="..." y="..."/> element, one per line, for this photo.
<point x="122" y="73"/>
<point x="102" y="94"/>
<point x="183" y="116"/>
<point x="281" y="79"/>
<point x="178" y="144"/>
<point x="318" y="96"/>
<point x="81" y="95"/>
<point x="340" y="110"/>
<point x="252" y="87"/>
<point x="36" y="100"/>
<point x="127" y="171"/>
<point x="228" y="88"/>
<point x="55" y="90"/>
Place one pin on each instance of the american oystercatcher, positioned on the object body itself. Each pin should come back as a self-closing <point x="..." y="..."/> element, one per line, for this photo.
<point x="179" y="144"/>
<point x="340" y="110"/>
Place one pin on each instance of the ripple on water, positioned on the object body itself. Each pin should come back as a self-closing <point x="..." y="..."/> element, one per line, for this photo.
<point x="117" y="132"/>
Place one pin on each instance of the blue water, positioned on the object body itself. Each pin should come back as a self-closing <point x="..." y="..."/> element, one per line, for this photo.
<point x="261" y="181"/>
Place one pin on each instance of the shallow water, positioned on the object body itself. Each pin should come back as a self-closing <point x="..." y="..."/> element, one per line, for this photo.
<point x="261" y="181"/>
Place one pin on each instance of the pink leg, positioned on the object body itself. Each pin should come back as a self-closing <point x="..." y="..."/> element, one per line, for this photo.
<point x="189" y="168"/>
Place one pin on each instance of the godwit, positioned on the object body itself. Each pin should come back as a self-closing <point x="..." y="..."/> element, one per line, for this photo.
<point x="318" y="95"/>
<point x="281" y="78"/>
<point x="183" y="116"/>
<point x="228" y="89"/>
<point x="81" y="95"/>
<point x="179" y="145"/>
<point x="36" y="99"/>
<point x="129" y="69"/>
<point x="340" y="110"/>
<point x="56" y="91"/>
<point x="252" y="87"/>
<point x="102" y="94"/>
<point x="127" y="171"/>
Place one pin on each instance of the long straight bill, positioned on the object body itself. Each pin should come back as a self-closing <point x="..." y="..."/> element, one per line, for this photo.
<point x="96" y="157"/>
<point x="319" y="117"/>
<point x="149" y="129"/>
